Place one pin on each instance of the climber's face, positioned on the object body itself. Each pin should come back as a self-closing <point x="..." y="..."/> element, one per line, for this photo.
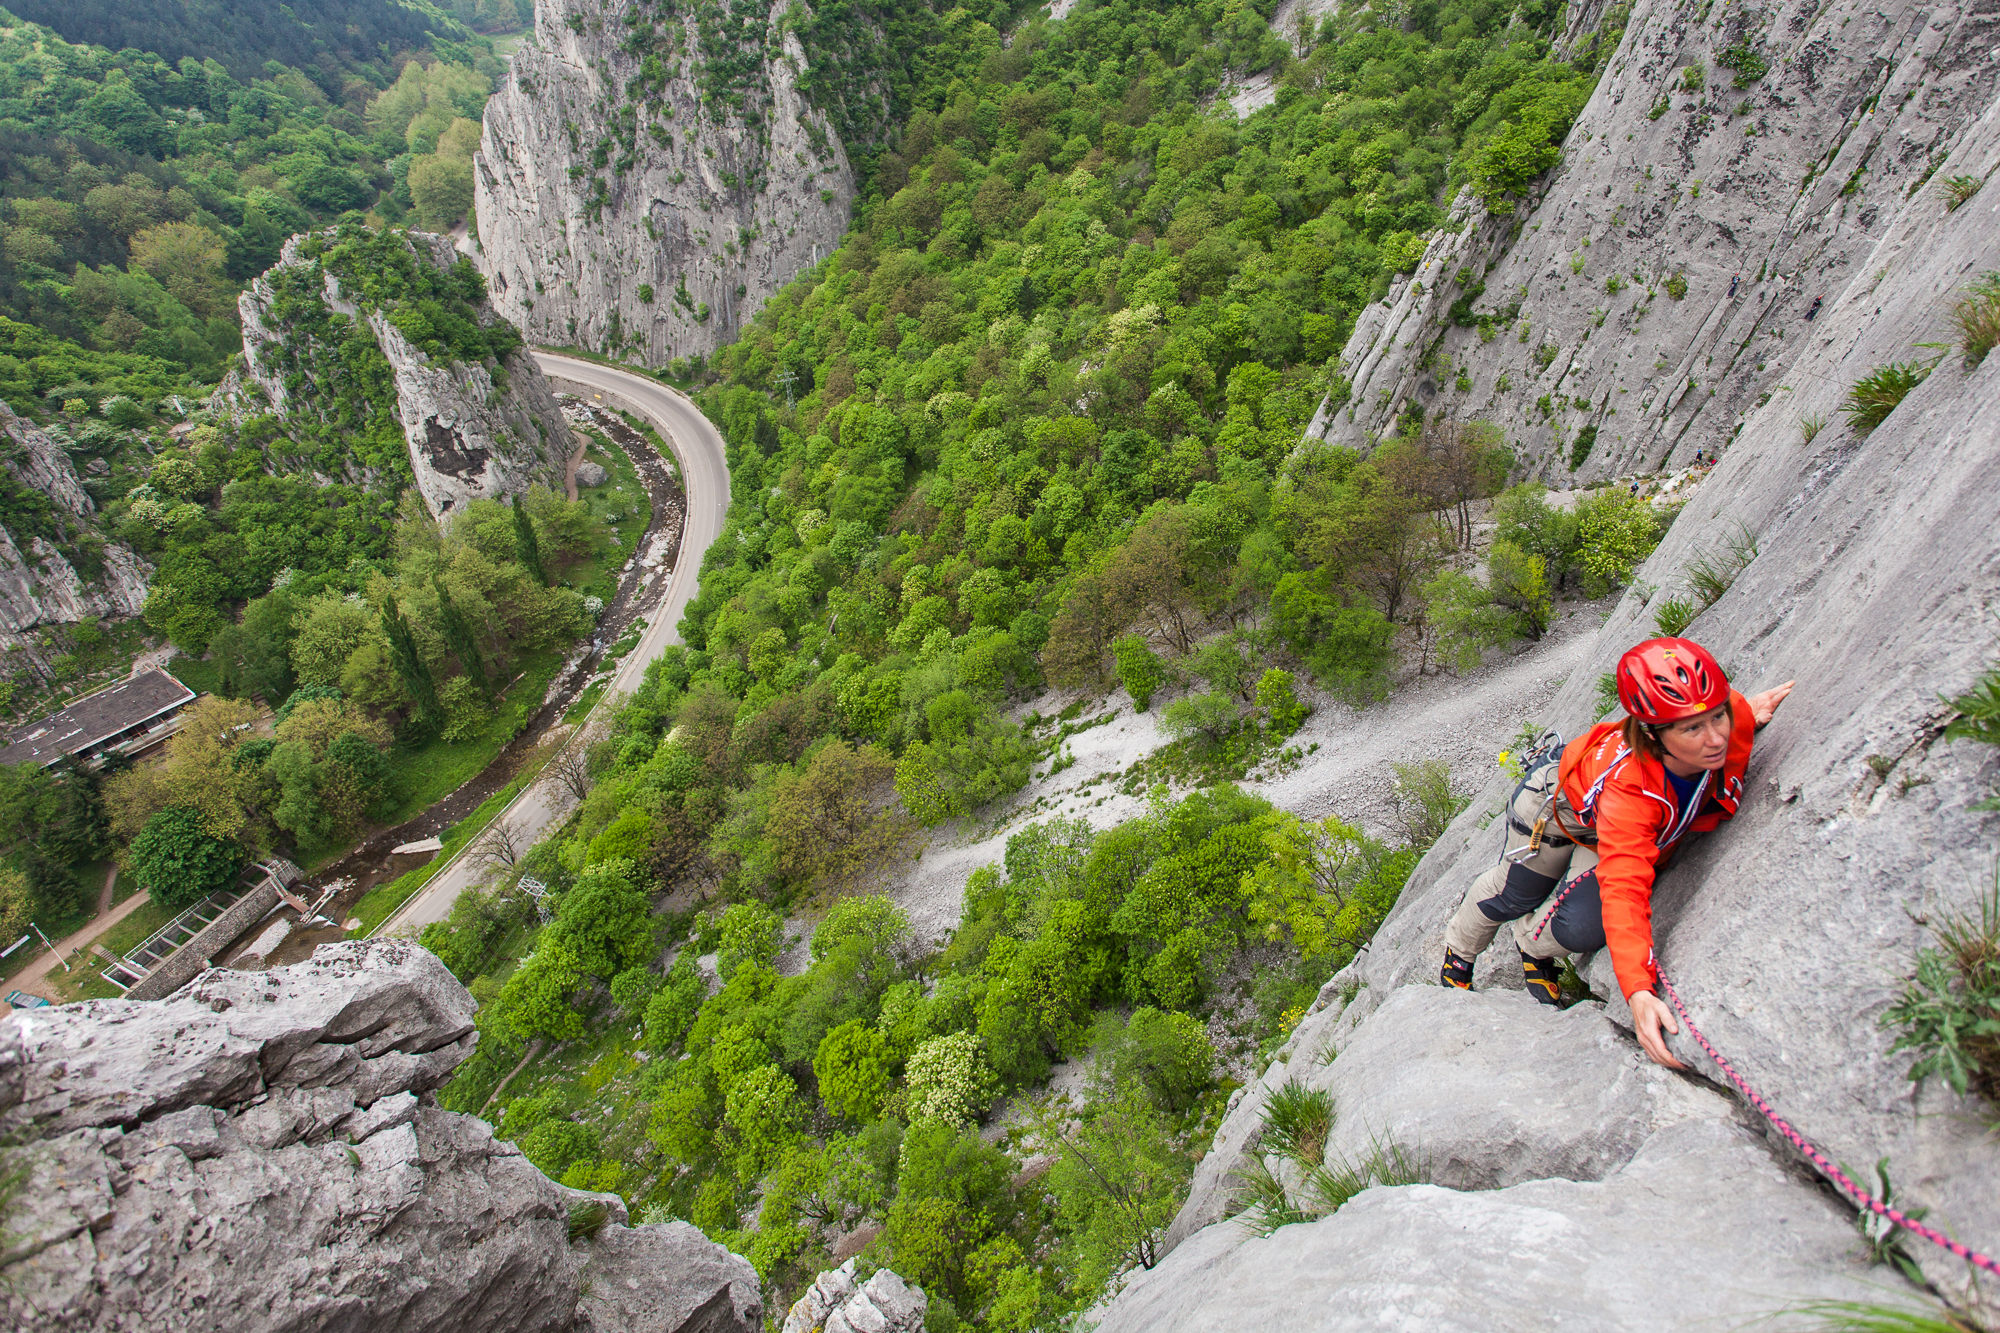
<point x="1701" y="741"/>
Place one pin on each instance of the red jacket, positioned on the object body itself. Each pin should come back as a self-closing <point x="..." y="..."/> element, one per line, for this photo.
<point x="1625" y="798"/>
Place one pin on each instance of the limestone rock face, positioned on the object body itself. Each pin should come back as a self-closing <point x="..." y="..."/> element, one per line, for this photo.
<point x="259" y="1152"/>
<point x="1788" y="932"/>
<point x="622" y="202"/>
<point x="471" y="434"/>
<point x="837" y="1303"/>
<point x="1701" y="1227"/>
<point x="38" y="584"/>
<point x="1721" y="213"/>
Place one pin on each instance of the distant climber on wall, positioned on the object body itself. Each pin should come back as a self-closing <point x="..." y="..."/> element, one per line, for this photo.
<point x="1588" y="830"/>
<point x="1817" y="302"/>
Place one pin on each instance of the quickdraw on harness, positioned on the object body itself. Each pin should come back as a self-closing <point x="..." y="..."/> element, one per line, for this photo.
<point x="1541" y="762"/>
<point x="1811" y="1151"/>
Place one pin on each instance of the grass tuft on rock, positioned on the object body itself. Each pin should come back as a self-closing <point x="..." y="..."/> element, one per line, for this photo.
<point x="1297" y="1121"/>
<point x="1949" y="1012"/>
<point x="1977" y="319"/>
<point x="1874" y="1317"/>
<point x="1876" y="394"/>
<point x="1958" y="189"/>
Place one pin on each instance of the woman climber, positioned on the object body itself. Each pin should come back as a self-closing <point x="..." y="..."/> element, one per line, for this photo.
<point x="1589" y="829"/>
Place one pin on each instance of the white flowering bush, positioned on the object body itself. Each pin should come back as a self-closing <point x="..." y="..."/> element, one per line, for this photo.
<point x="809" y="522"/>
<point x="950" y="1082"/>
<point x="594" y="605"/>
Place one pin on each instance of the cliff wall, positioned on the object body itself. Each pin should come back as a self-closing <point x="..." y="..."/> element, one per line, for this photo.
<point x="39" y="584"/>
<point x="261" y="1151"/>
<point x="645" y="182"/>
<point x="1656" y="290"/>
<point x="1573" y="1181"/>
<point x="475" y="428"/>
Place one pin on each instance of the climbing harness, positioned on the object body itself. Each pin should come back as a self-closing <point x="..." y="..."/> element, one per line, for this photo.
<point x="1814" y="1155"/>
<point x="1540" y="773"/>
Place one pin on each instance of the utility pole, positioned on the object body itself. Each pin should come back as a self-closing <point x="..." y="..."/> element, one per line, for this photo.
<point x="52" y="948"/>
<point x="787" y="378"/>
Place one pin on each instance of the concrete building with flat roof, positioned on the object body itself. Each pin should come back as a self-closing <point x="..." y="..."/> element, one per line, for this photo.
<point x="130" y="716"/>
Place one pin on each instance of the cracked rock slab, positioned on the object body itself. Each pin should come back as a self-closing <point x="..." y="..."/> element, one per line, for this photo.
<point x="1702" y="1229"/>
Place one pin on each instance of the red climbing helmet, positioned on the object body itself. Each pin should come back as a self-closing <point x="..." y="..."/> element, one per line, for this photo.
<point x="1664" y="680"/>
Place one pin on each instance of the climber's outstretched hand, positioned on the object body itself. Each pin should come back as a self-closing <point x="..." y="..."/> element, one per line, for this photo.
<point x="1762" y="706"/>
<point x="1649" y="1015"/>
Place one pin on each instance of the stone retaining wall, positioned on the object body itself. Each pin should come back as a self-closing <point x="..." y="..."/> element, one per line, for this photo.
<point x="191" y="959"/>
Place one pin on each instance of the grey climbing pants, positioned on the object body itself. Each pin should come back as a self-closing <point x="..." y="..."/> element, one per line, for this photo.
<point x="1550" y="895"/>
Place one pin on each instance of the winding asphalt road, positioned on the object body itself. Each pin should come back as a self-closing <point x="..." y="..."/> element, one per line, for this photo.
<point x="543" y="804"/>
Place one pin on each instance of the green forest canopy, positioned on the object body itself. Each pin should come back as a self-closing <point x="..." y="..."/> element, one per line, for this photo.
<point x="1053" y="384"/>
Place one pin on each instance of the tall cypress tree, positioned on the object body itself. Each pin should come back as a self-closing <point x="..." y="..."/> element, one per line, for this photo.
<point x="526" y="547"/>
<point x="411" y="668"/>
<point x="459" y="638"/>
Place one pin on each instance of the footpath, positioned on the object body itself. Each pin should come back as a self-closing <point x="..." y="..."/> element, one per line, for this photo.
<point x="35" y="979"/>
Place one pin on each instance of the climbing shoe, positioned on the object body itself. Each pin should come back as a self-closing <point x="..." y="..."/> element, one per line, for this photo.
<point x="1457" y="970"/>
<point x="1544" y="979"/>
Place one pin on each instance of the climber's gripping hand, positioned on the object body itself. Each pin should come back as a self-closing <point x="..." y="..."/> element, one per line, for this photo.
<point x="1649" y="1015"/>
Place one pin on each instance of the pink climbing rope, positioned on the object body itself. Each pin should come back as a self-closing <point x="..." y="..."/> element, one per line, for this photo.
<point x="1818" y="1158"/>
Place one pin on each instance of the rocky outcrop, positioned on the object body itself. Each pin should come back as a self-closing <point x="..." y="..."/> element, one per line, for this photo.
<point x="838" y="1303"/>
<point x="1659" y="288"/>
<point x="646" y="179"/>
<point x="1701" y="1229"/>
<point x="1467" y="1082"/>
<point x="472" y="434"/>
<point x="1788" y="932"/>
<point x="38" y="583"/>
<point x="260" y="1151"/>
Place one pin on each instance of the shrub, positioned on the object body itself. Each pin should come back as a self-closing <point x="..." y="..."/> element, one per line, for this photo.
<point x="1425" y="800"/>
<point x="1692" y="79"/>
<point x="555" y="1145"/>
<point x="950" y="1082"/>
<point x="1977" y="319"/>
<point x="1579" y="452"/>
<point x="1949" y="1013"/>
<point x="1614" y="284"/>
<point x="1276" y="697"/>
<point x="1139" y="670"/>
<point x="1875" y="395"/>
<point x="632" y="990"/>
<point x="1352" y="658"/>
<point x="1615" y="532"/>
<point x="1168" y="1052"/>
<point x="1519" y="582"/>
<point x="1545" y="354"/>
<point x="1677" y="286"/>
<point x="1810" y="426"/>
<point x="1958" y="189"/>
<point x="750" y="934"/>
<point x="1208" y="717"/>
<point x="1744" y="58"/>
<point x="1462" y="620"/>
<point x="852" y="1066"/>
